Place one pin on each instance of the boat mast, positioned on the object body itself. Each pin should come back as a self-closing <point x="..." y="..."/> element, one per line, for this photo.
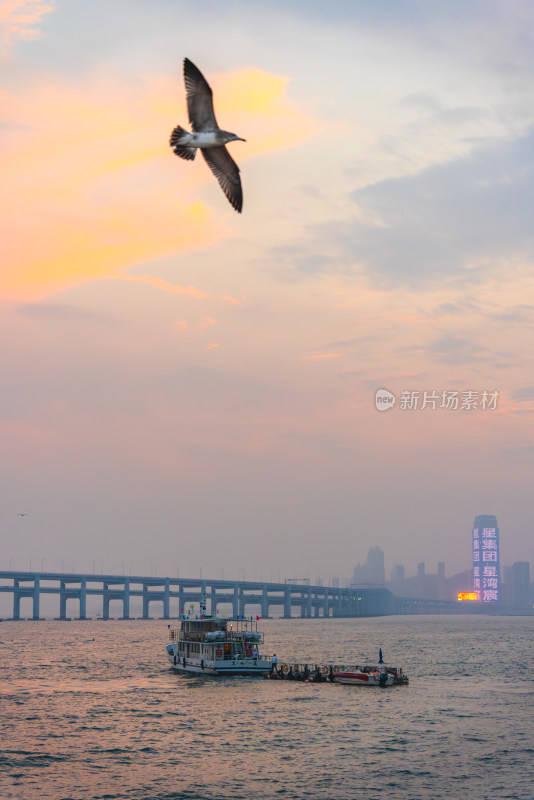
<point x="203" y="602"/>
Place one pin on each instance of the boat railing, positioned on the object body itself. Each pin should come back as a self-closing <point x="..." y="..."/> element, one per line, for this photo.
<point x="230" y="636"/>
<point x="175" y="634"/>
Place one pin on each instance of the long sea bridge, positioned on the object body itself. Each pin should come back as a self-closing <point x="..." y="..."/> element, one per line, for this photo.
<point x="176" y="595"/>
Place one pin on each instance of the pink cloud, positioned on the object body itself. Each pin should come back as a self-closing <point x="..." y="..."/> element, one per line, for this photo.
<point x="19" y="18"/>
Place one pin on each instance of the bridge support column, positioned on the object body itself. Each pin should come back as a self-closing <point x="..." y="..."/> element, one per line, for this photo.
<point x="62" y="601"/>
<point x="36" y="597"/>
<point x="265" y="603"/>
<point x="126" y="601"/>
<point x="309" y="604"/>
<point x="326" y="607"/>
<point x="16" y="600"/>
<point x="83" y="599"/>
<point x="105" y="602"/>
<point x="166" y="600"/>
<point x="287" y="603"/>
<point x="339" y="604"/>
<point x="235" y="602"/>
<point x="146" y="600"/>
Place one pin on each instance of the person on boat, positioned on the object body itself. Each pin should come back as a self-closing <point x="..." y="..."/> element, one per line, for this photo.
<point x="274" y="662"/>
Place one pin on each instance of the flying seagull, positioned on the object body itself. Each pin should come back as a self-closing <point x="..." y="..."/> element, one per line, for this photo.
<point x="207" y="136"/>
<point x="22" y="515"/>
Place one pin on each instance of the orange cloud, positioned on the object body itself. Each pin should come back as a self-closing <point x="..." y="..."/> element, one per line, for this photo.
<point x="18" y="19"/>
<point x="256" y="104"/>
<point x="158" y="283"/>
<point x="91" y="188"/>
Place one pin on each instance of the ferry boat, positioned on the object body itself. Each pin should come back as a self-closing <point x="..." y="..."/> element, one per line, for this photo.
<point x="217" y="646"/>
<point x="370" y="676"/>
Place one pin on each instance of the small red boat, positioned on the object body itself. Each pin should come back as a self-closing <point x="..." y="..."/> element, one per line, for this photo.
<point x="370" y="676"/>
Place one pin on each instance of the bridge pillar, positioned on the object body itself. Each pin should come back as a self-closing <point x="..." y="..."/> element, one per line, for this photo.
<point x="105" y="602"/>
<point x="325" y="605"/>
<point x="309" y="604"/>
<point x="126" y="601"/>
<point x="146" y="600"/>
<point x="166" y="600"/>
<point x="36" y="597"/>
<point x="16" y="600"/>
<point x="235" y="601"/>
<point x="62" y="601"/>
<point x="339" y="603"/>
<point x="83" y="599"/>
<point x="287" y="602"/>
<point x="265" y="603"/>
<point x="303" y="604"/>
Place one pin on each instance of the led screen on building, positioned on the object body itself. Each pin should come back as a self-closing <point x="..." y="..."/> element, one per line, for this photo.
<point x="486" y="571"/>
<point x="467" y="595"/>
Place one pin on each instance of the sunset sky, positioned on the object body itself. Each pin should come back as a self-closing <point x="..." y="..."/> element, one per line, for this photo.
<point x="191" y="388"/>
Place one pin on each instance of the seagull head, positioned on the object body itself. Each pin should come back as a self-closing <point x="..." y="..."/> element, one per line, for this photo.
<point x="231" y="137"/>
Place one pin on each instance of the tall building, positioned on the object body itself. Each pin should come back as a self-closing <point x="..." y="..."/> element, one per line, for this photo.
<point x="440" y="583"/>
<point x="520" y="574"/>
<point x="486" y="563"/>
<point x="375" y="565"/>
<point x="397" y="574"/>
<point x="373" y="570"/>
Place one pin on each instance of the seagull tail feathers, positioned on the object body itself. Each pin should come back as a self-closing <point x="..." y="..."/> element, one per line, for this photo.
<point x="177" y="143"/>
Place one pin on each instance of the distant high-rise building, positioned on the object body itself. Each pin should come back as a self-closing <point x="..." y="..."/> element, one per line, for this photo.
<point x="520" y="574"/>
<point x="397" y="573"/>
<point x="373" y="570"/>
<point x="359" y="576"/>
<point x="376" y="572"/>
<point x="440" y="582"/>
<point x="486" y="564"/>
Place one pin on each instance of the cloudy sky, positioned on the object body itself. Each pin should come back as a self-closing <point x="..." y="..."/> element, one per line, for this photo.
<point x="188" y="388"/>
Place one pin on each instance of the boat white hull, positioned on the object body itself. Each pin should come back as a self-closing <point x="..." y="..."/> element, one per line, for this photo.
<point x="226" y="667"/>
<point x="364" y="679"/>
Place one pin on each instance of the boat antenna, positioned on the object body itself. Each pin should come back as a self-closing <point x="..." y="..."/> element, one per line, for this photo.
<point x="203" y="602"/>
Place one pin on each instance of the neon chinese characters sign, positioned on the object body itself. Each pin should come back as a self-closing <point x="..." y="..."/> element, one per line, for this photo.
<point x="486" y="568"/>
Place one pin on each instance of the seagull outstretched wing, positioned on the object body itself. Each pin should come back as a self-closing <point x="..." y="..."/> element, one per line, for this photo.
<point x="226" y="171"/>
<point x="199" y="99"/>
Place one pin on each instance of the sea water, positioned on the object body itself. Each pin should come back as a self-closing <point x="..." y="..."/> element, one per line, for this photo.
<point x="91" y="710"/>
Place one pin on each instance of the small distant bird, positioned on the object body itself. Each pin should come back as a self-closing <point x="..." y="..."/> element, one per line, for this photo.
<point x="207" y="136"/>
<point x="22" y="515"/>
